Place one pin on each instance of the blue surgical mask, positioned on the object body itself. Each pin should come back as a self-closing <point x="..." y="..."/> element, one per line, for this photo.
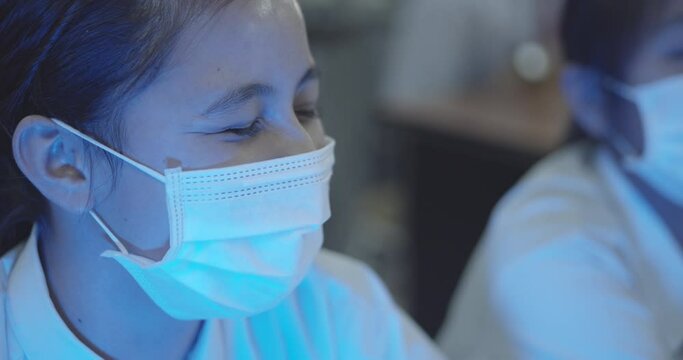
<point x="660" y="164"/>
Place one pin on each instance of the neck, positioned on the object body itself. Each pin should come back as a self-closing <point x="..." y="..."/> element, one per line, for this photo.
<point x="100" y="301"/>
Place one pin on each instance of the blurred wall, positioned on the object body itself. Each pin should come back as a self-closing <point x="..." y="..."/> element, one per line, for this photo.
<point x="401" y="201"/>
<point x="445" y="46"/>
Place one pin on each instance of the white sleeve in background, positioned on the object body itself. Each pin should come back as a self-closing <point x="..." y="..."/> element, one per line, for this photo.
<point x="550" y="280"/>
<point x="568" y="301"/>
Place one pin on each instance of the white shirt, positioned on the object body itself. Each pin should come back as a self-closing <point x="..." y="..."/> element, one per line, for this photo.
<point x="574" y="265"/>
<point x="340" y="311"/>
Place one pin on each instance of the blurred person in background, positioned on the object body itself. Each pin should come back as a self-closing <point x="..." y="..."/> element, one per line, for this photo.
<point x="582" y="259"/>
<point x="164" y="183"/>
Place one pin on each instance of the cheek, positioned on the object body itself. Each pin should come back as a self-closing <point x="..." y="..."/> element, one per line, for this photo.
<point x="657" y="69"/>
<point x="152" y="143"/>
<point x="169" y="145"/>
<point x="136" y="211"/>
<point x="655" y="61"/>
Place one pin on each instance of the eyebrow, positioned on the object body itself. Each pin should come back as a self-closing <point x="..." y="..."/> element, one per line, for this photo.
<point x="235" y="98"/>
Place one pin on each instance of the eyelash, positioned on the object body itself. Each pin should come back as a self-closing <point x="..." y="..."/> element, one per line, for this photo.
<point x="250" y="131"/>
<point x="257" y="125"/>
<point x="308" y="114"/>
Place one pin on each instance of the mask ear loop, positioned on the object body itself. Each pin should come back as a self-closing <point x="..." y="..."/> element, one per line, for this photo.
<point x="145" y="169"/>
<point x="111" y="235"/>
<point x="625" y="148"/>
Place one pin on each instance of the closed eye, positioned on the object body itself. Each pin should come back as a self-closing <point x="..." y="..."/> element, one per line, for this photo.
<point x="307" y="114"/>
<point x="248" y="131"/>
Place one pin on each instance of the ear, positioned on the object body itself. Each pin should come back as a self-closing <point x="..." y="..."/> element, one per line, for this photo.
<point x="584" y="92"/>
<point x="54" y="161"/>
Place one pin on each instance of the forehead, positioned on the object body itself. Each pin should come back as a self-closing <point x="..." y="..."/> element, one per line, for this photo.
<point x="247" y="42"/>
<point x="242" y="40"/>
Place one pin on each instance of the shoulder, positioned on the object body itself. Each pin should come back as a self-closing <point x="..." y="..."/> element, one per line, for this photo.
<point x="553" y="258"/>
<point x="361" y="308"/>
<point x="562" y="205"/>
<point x="349" y="286"/>
<point x="349" y="277"/>
<point x="560" y="218"/>
<point x="566" y="181"/>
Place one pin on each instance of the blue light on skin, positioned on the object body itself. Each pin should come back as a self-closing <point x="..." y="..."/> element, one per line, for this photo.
<point x="602" y="113"/>
<point x="239" y="87"/>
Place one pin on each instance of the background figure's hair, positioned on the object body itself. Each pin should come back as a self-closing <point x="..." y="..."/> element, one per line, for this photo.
<point x="604" y="34"/>
<point x="79" y="61"/>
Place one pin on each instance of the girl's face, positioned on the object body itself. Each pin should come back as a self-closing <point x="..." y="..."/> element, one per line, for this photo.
<point x="660" y="56"/>
<point x="240" y="87"/>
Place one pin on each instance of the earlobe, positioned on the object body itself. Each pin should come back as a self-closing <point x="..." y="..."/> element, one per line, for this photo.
<point x="54" y="161"/>
<point x="584" y="92"/>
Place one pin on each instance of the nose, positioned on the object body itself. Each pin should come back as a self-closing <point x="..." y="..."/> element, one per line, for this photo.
<point x="292" y="138"/>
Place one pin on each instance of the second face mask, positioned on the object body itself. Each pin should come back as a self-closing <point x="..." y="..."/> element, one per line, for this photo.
<point x="661" y="109"/>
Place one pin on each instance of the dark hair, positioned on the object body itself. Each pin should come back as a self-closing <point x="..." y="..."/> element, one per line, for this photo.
<point x="79" y="61"/>
<point x="604" y="34"/>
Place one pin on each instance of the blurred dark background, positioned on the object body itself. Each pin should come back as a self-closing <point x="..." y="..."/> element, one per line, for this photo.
<point x="438" y="107"/>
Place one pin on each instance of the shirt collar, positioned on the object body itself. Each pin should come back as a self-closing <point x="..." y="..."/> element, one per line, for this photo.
<point x="40" y="330"/>
<point x="656" y="252"/>
<point x="38" y="327"/>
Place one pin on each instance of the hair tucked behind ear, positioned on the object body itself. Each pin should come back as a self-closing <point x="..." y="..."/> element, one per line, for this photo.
<point x="20" y="203"/>
<point x="79" y="61"/>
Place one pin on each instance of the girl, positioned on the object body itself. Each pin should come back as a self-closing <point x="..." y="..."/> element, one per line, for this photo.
<point x="169" y="161"/>
<point x="582" y="260"/>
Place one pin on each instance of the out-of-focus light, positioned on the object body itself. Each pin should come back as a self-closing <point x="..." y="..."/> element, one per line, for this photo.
<point x="532" y="62"/>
